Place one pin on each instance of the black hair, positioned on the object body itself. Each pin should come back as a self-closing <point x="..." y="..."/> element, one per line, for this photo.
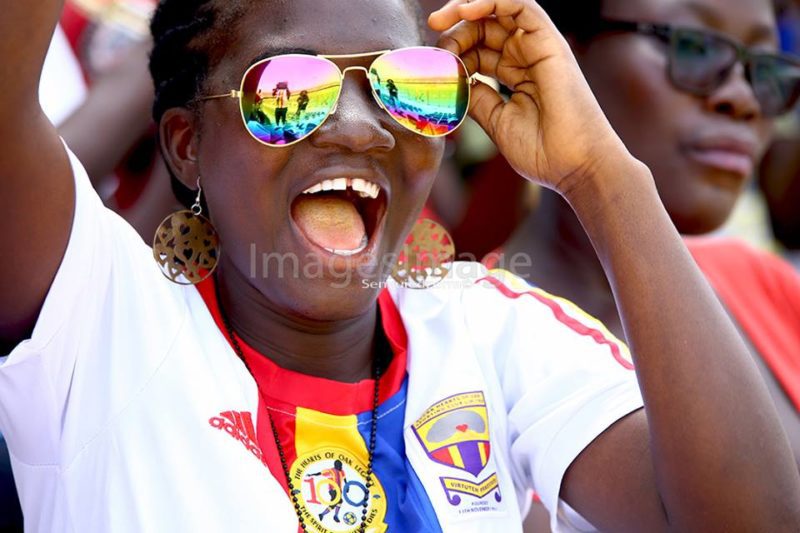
<point x="178" y="65"/>
<point x="189" y="39"/>
<point x="576" y="18"/>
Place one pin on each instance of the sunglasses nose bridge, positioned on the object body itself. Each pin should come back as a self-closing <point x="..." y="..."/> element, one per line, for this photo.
<point x="344" y="73"/>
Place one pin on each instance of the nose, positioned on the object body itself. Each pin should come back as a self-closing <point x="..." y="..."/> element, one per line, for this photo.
<point x="735" y="97"/>
<point x="355" y="123"/>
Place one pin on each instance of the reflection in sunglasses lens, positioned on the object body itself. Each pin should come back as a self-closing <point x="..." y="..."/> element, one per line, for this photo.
<point x="287" y="98"/>
<point x="776" y="83"/>
<point x="424" y="89"/>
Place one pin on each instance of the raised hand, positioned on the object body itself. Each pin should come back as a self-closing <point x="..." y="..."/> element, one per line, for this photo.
<point x="552" y="130"/>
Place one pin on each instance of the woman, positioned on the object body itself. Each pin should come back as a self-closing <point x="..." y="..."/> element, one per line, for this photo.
<point x="702" y="149"/>
<point x="139" y="405"/>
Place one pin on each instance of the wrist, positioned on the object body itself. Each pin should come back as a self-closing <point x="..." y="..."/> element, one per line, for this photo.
<point x="606" y="183"/>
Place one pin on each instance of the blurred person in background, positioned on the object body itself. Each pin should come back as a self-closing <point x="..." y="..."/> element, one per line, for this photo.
<point x="703" y="144"/>
<point x="113" y="131"/>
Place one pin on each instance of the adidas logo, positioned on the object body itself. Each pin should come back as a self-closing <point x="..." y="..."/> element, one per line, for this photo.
<point x="239" y="425"/>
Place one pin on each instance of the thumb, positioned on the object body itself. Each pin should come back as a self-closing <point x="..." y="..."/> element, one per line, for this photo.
<point x="485" y="107"/>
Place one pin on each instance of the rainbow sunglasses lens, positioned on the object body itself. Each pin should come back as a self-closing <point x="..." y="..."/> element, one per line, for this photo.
<point x="424" y="89"/>
<point x="286" y="98"/>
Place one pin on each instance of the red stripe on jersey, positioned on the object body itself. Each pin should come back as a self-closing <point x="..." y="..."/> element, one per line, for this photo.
<point x="572" y="323"/>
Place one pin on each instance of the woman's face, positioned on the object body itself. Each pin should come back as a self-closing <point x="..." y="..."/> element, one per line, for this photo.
<point x="701" y="150"/>
<point x="253" y="190"/>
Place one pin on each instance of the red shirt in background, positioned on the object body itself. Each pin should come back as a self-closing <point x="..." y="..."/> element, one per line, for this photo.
<point x="762" y="293"/>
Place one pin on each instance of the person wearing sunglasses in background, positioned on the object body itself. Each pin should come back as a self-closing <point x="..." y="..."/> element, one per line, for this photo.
<point x="131" y="403"/>
<point x="691" y="88"/>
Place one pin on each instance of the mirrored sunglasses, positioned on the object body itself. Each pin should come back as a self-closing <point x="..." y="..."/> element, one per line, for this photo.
<point x="285" y="98"/>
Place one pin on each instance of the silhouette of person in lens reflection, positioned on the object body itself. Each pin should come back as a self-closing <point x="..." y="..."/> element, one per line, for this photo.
<point x="392" y="91"/>
<point x="302" y="104"/>
<point x="282" y="95"/>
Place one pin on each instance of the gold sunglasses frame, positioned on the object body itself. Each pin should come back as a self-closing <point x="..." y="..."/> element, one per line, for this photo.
<point x="238" y="93"/>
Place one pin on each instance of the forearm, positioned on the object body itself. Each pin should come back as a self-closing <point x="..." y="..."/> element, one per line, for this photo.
<point x="26" y="29"/>
<point x="36" y="192"/>
<point x="720" y="455"/>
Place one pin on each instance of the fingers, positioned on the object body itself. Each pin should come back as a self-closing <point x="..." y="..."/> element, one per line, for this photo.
<point x="483" y="61"/>
<point x="526" y="15"/>
<point x="446" y="17"/>
<point x="486" y="103"/>
<point x="466" y="35"/>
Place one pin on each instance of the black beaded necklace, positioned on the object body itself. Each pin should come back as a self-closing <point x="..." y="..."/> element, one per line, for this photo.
<point x="376" y="371"/>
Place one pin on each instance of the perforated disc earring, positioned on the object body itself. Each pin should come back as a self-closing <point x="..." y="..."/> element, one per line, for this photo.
<point x="426" y="257"/>
<point x="186" y="245"/>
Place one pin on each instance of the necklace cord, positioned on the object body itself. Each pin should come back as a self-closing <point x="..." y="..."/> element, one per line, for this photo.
<point x="373" y="434"/>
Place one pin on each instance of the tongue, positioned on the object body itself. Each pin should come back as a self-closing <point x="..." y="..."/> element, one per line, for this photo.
<point x="329" y="222"/>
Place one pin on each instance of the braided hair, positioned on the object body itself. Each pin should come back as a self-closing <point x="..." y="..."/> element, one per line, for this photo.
<point x="189" y="39"/>
<point x="184" y="33"/>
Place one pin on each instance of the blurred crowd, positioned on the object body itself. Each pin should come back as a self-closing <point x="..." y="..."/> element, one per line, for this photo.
<point x="96" y="89"/>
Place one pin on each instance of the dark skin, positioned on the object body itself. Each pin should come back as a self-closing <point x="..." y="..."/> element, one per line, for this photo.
<point x="674" y="461"/>
<point x="628" y="75"/>
<point x="293" y="319"/>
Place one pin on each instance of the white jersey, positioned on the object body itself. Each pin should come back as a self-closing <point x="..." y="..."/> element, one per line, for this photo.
<point x="109" y="409"/>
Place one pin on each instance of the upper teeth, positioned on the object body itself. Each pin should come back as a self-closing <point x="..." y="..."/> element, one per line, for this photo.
<point x="365" y="189"/>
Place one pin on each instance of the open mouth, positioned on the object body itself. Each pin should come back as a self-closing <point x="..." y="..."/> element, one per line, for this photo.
<point x="341" y="215"/>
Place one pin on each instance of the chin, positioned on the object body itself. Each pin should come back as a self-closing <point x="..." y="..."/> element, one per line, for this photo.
<point x="702" y="219"/>
<point x="331" y="300"/>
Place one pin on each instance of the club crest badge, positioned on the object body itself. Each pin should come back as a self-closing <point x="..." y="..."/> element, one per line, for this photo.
<point x="455" y="433"/>
<point x="331" y="485"/>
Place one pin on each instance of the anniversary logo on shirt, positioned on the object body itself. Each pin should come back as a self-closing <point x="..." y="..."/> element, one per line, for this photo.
<point x="331" y="487"/>
<point x="455" y="433"/>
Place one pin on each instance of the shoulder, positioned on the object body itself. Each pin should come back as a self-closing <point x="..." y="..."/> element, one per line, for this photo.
<point x="501" y="311"/>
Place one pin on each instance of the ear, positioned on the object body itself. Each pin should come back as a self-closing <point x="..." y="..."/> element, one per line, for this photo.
<point x="179" y="144"/>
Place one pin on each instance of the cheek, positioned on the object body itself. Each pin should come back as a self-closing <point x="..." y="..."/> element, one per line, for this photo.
<point x="421" y="159"/>
<point x="646" y="111"/>
<point x="238" y="175"/>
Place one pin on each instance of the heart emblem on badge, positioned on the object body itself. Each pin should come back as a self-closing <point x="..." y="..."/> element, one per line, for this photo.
<point x="463" y="428"/>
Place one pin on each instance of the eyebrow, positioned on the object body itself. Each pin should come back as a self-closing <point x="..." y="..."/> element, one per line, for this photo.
<point x="271" y="52"/>
<point x="758" y="33"/>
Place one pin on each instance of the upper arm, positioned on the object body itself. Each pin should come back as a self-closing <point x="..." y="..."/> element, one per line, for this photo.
<point x="37" y="193"/>
<point x="566" y="381"/>
<point x="612" y="482"/>
<point x="37" y="197"/>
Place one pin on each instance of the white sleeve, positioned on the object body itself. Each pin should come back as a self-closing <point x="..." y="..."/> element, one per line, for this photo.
<point x="565" y="379"/>
<point x="91" y="300"/>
